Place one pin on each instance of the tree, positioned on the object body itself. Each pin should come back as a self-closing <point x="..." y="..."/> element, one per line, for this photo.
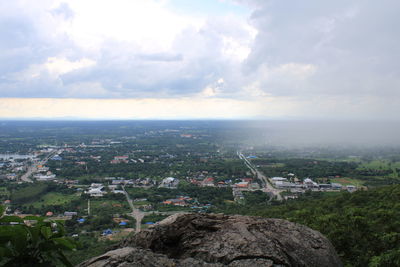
<point x="39" y="245"/>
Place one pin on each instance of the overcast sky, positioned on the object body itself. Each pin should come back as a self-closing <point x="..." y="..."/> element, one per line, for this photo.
<point x="172" y="59"/>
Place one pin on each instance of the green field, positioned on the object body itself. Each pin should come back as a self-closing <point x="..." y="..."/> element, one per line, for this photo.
<point x="110" y="206"/>
<point x="54" y="199"/>
<point x="381" y="165"/>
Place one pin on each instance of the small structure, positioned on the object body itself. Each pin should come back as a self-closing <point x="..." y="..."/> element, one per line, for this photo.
<point x="209" y="181"/>
<point x="310" y="183"/>
<point x="107" y="232"/>
<point x="70" y="213"/>
<point x="56" y="157"/>
<point x="242" y="185"/>
<point x="169" y="182"/>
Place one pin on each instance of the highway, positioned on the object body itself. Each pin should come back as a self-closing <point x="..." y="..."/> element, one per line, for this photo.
<point x="266" y="184"/>
<point x="33" y="168"/>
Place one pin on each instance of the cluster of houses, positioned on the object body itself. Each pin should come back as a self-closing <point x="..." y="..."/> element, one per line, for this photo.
<point x="181" y="201"/>
<point x="12" y="165"/>
<point x="243" y="183"/>
<point x="120" y="159"/>
<point x="139" y="182"/>
<point x="308" y="184"/>
<point x="125" y="159"/>
<point x="43" y="174"/>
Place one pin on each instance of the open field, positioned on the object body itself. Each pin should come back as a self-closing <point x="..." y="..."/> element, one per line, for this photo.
<point x="380" y="165"/>
<point x="106" y="205"/>
<point x="54" y="199"/>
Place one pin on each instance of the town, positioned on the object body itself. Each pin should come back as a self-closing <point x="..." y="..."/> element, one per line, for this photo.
<point x="105" y="183"/>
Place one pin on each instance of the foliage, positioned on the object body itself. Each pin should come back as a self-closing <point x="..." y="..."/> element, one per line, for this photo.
<point x="39" y="245"/>
<point x="363" y="226"/>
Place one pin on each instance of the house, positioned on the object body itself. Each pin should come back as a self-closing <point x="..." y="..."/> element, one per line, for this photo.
<point x="45" y="177"/>
<point x="169" y="182"/>
<point x="95" y="190"/>
<point x="242" y="185"/>
<point x="248" y="180"/>
<point x="175" y="202"/>
<point x="120" y="159"/>
<point x="56" y="157"/>
<point x="276" y="179"/>
<point x="70" y="213"/>
<point x="209" y="181"/>
<point x="49" y="214"/>
<point x="107" y="232"/>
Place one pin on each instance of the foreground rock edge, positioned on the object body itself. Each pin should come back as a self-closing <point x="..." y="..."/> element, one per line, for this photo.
<point x="221" y="240"/>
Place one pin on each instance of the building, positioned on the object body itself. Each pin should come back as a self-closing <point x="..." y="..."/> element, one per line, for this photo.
<point x="209" y="181"/>
<point x="242" y="185"/>
<point x="169" y="182"/>
<point x="95" y="190"/>
<point x="310" y="183"/>
<point x="276" y="179"/>
<point x="70" y="213"/>
<point x="56" y="157"/>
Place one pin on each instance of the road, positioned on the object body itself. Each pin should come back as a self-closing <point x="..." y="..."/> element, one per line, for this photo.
<point x="33" y="168"/>
<point x="266" y="184"/>
<point x="136" y="213"/>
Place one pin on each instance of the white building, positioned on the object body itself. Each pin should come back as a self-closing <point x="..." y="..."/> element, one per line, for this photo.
<point x="169" y="182"/>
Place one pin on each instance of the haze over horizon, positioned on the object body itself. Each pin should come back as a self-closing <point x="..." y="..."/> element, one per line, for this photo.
<point x="203" y="59"/>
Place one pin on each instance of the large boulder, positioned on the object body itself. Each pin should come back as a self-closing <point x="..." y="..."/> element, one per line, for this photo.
<point x="220" y="240"/>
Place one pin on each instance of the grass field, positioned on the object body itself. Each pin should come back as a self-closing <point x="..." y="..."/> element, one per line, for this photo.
<point x="114" y="206"/>
<point x="381" y="165"/>
<point x="54" y="199"/>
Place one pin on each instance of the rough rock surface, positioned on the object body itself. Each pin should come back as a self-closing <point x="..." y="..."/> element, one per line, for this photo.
<point x="221" y="240"/>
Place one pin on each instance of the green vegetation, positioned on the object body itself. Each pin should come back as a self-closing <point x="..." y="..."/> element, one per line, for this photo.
<point x="28" y="193"/>
<point x="54" y="198"/>
<point x="363" y="226"/>
<point x="101" y="206"/>
<point x="89" y="246"/>
<point x="42" y="244"/>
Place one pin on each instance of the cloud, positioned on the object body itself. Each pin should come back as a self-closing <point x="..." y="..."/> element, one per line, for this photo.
<point x="336" y="58"/>
<point x="128" y="48"/>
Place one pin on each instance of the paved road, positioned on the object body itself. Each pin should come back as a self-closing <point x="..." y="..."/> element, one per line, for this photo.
<point x="266" y="184"/>
<point x="136" y="213"/>
<point x="33" y="168"/>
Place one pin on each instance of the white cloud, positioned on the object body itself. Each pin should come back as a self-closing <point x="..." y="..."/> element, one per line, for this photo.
<point x="58" y="66"/>
<point x="331" y="52"/>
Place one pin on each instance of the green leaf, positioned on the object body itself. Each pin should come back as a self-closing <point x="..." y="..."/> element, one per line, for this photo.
<point x="65" y="243"/>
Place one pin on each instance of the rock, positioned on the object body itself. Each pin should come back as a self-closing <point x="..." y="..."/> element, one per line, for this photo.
<point x="221" y="240"/>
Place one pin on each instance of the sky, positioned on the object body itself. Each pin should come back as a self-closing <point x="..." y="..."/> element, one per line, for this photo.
<point x="200" y="59"/>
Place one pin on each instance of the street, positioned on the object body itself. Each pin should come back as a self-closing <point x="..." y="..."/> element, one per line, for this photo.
<point x="266" y="184"/>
